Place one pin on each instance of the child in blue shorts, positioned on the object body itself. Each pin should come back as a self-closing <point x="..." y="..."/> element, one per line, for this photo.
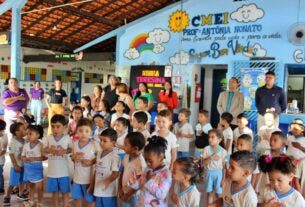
<point x="105" y="178"/>
<point x="32" y="157"/>
<point x="214" y="158"/>
<point x="57" y="146"/>
<point x="84" y="153"/>
<point x="3" y="146"/>
<point x="18" y="130"/>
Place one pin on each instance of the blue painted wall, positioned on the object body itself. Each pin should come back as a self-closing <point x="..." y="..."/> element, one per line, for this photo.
<point x="231" y="31"/>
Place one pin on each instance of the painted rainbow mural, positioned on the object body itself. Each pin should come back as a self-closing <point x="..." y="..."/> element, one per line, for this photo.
<point x="139" y="43"/>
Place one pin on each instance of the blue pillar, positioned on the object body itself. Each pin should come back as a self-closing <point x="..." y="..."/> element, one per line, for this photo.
<point x="16" y="39"/>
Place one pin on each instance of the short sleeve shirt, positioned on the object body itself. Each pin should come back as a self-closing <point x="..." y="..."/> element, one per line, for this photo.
<point x="17" y="105"/>
<point x="3" y="145"/>
<point x="15" y="147"/>
<point x="184" y="143"/>
<point x="57" y="96"/>
<point x="32" y="151"/>
<point x="37" y="94"/>
<point x="149" y="97"/>
<point x="214" y="164"/>
<point x="188" y="197"/>
<point x="228" y="135"/>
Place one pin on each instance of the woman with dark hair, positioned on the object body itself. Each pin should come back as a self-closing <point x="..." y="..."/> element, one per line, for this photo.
<point x="169" y="96"/>
<point x="36" y="96"/>
<point x="110" y="92"/>
<point x="143" y="92"/>
<point x="96" y="97"/>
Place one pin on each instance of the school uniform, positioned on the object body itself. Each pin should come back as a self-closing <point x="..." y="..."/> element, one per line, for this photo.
<point x="131" y="167"/>
<point x="188" y="197"/>
<point x="244" y="197"/>
<point x="33" y="170"/>
<point x="97" y="133"/>
<point x="237" y="133"/>
<point x="228" y="135"/>
<point x="58" y="177"/>
<point x="290" y="199"/>
<point x="300" y="174"/>
<point x="15" y="148"/>
<point x="82" y="174"/>
<point x="214" y="169"/>
<point x="105" y="166"/>
<point x="264" y="145"/>
<point x="183" y="142"/>
<point x="115" y="116"/>
<point x="171" y="144"/>
<point x="295" y="152"/>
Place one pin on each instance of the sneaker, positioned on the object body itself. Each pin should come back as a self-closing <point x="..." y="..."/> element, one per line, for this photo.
<point x="7" y="201"/>
<point x="22" y="197"/>
<point x="2" y="191"/>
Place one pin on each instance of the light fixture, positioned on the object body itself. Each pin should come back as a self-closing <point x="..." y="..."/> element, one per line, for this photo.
<point x="32" y="34"/>
<point x="54" y="28"/>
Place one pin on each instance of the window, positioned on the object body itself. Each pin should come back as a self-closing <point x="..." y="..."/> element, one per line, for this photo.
<point x="296" y="88"/>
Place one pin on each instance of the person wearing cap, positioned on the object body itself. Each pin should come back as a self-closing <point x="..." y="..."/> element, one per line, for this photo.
<point x="269" y="97"/>
<point x="231" y="101"/>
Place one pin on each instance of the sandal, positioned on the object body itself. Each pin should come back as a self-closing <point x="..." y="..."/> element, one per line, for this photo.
<point x="28" y="204"/>
<point x="15" y="190"/>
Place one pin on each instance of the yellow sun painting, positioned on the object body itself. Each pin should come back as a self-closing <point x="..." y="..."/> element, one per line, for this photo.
<point x="178" y="21"/>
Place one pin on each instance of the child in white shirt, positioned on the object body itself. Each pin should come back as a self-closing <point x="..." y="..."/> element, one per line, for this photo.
<point x="213" y="159"/>
<point x="164" y="120"/>
<point x="237" y="190"/>
<point x="138" y="123"/>
<point x="296" y="140"/>
<point x="119" y="112"/>
<point x="133" y="165"/>
<point x="279" y="193"/>
<point x="265" y="132"/>
<point x="100" y="124"/>
<point x="57" y="146"/>
<point x="143" y="106"/>
<point x="104" y="179"/>
<point x="224" y="124"/>
<point x="184" y="133"/>
<point x="185" y="175"/>
<point x="202" y="130"/>
<point x="84" y="153"/>
<point x="242" y="122"/>
<point x="121" y="127"/>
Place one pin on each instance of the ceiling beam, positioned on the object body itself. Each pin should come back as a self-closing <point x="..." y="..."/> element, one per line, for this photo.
<point x="38" y="20"/>
<point x="59" y="20"/>
<point x="75" y="32"/>
<point x="47" y="42"/>
<point x="85" y="14"/>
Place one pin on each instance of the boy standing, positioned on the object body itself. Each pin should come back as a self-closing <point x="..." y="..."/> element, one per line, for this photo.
<point x="242" y="122"/>
<point x="139" y="123"/>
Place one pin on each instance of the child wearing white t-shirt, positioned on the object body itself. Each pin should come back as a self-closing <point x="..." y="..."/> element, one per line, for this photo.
<point x="237" y="190"/>
<point x="279" y="168"/>
<point x="214" y="159"/>
<point x="139" y="121"/>
<point x="119" y="112"/>
<point x="265" y="132"/>
<point x="104" y="180"/>
<point x="242" y="122"/>
<point x="296" y="140"/>
<point x="121" y="127"/>
<point x="57" y="146"/>
<point x="84" y="153"/>
<point x="163" y="123"/>
<point x="100" y="125"/>
<point x="133" y="165"/>
<point x="225" y="121"/>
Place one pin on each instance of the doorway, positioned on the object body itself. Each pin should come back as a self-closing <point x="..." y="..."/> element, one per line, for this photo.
<point x="213" y="81"/>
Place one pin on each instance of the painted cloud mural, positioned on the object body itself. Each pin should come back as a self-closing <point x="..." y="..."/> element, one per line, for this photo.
<point x="247" y="13"/>
<point x="182" y="58"/>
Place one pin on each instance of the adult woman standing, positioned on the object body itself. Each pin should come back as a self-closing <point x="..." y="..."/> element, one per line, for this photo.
<point x="122" y="92"/>
<point x="143" y="92"/>
<point x="56" y="99"/>
<point x="36" y="96"/>
<point x="169" y="96"/>
<point x="96" y="98"/>
<point x="15" y="101"/>
<point x="110" y="92"/>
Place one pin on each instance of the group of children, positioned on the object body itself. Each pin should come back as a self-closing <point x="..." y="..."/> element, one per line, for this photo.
<point x="119" y="160"/>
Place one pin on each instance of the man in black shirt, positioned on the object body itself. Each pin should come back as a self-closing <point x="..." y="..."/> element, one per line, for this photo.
<point x="269" y="97"/>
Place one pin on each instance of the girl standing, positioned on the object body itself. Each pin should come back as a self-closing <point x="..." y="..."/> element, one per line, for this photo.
<point x="87" y="108"/>
<point x="121" y="127"/>
<point x="32" y="157"/>
<point x="214" y="158"/>
<point x="154" y="184"/>
<point x="185" y="174"/>
<point x="279" y="193"/>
